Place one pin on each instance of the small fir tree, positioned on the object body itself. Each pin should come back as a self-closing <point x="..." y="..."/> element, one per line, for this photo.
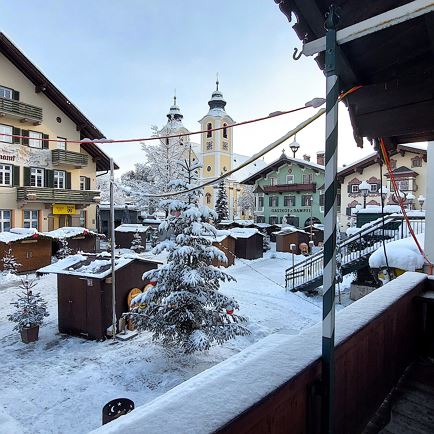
<point x="64" y="249"/>
<point x="31" y="309"/>
<point x="10" y="264"/>
<point x="221" y="205"/>
<point x="155" y="239"/>
<point x="136" y="243"/>
<point x="265" y="241"/>
<point x="185" y="307"/>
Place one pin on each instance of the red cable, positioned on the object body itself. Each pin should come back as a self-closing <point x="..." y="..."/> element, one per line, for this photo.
<point x="401" y="201"/>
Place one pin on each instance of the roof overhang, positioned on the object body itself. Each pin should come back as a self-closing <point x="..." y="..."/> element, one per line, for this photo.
<point x="394" y="64"/>
<point x="45" y="86"/>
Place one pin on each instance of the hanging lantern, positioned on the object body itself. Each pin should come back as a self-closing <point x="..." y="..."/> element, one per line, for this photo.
<point x="229" y="310"/>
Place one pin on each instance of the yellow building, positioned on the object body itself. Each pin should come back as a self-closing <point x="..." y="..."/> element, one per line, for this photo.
<point x="43" y="184"/>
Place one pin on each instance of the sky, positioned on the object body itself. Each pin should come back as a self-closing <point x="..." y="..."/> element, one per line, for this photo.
<point x="121" y="61"/>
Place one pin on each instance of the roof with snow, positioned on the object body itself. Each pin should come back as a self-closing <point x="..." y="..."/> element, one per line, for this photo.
<point x="92" y="266"/>
<point x="19" y="234"/>
<point x="131" y="227"/>
<point x="245" y="172"/>
<point x="389" y="209"/>
<point x="70" y="232"/>
<point x="244" y="232"/>
<point x="282" y="160"/>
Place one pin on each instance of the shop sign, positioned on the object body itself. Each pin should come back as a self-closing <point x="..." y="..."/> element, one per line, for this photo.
<point x="63" y="209"/>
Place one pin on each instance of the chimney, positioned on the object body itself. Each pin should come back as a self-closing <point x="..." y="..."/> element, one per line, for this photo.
<point x="306" y="157"/>
<point x="320" y="158"/>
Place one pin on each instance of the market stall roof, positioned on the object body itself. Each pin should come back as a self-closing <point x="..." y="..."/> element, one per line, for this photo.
<point x="70" y="232"/>
<point x="394" y="65"/>
<point x="132" y="227"/>
<point x="19" y="234"/>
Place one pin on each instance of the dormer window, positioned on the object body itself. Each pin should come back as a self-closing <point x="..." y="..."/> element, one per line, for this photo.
<point x="225" y="131"/>
<point x="209" y="129"/>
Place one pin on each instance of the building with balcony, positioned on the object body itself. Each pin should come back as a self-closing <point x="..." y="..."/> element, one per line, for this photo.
<point x="45" y="181"/>
<point x="409" y="165"/>
<point x="289" y="190"/>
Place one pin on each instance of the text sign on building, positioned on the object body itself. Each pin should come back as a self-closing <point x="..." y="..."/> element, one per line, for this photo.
<point x="290" y="210"/>
<point x="7" y="157"/>
<point x="63" y="209"/>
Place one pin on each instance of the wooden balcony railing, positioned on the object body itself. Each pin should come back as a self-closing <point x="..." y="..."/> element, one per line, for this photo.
<point x="20" y="110"/>
<point x="280" y="188"/>
<point x="54" y="195"/>
<point x="61" y="156"/>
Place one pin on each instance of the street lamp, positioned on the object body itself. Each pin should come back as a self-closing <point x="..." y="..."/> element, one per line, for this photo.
<point x="410" y="198"/>
<point x="294" y="146"/>
<point x="364" y="188"/>
<point x="421" y="201"/>
<point x="384" y="191"/>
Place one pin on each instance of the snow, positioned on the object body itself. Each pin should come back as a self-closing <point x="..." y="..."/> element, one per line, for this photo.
<point x="69" y="232"/>
<point x="403" y="254"/>
<point x="244" y="232"/>
<point x="288" y="230"/>
<point x="17" y="234"/>
<point x="131" y="227"/>
<point x="211" y="396"/>
<point x="377" y="209"/>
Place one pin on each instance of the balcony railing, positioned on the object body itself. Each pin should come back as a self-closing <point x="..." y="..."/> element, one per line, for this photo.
<point x="54" y="195"/>
<point x="61" y="156"/>
<point x="19" y="110"/>
<point x="280" y="188"/>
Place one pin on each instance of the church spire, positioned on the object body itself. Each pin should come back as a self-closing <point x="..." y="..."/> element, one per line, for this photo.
<point x="217" y="101"/>
<point x="174" y="111"/>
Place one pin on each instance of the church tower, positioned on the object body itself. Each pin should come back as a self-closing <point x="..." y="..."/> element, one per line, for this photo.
<point x="216" y="146"/>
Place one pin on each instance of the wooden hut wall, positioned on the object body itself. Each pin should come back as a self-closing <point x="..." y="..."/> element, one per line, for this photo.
<point x="249" y="248"/>
<point x="84" y="243"/>
<point x="32" y="253"/>
<point x="227" y="246"/>
<point x="283" y="241"/>
<point x="124" y="239"/>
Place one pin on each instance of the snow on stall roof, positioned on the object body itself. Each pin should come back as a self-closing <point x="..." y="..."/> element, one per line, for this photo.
<point x="130" y="207"/>
<point x="244" y="232"/>
<point x="69" y="232"/>
<point x="210" y="395"/>
<point x="219" y="236"/>
<point x="289" y="230"/>
<point x="403" y="254"/>
<point x="131" y="227"/>
<point x="17" y="234"/>
<point x="377" y="209"/>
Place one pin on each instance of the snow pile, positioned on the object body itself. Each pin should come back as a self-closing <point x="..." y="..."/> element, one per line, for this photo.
<point x="131" y="227"/>
<point x="210" y="394"/>
<point x="376" y="209"/>
<point x="69" y="232"/>
<point x="403" y="254"/>
<point x="352" y="230"/>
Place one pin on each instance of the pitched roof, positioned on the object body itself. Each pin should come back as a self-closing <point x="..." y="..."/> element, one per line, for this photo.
<point x="43" y="84"/>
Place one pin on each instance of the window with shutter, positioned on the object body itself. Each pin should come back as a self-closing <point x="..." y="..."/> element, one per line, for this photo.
<point x="25" y="139"/>
<point x="26" y="176"/>
<point x="16" y="132"/>
<point x="6" y="175"/>
<point x="6" y="132"/>
<point x="87" y="183"/>
<point x="15" y="95"/>
<point x="16" y="176"/>
<point x="45" y="142"/>
<point x="68" y="180"/>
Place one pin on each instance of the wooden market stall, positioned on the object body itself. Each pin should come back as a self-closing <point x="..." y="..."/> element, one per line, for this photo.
<point x="30" y="248"/>
<point x="249" y="243"/>
<point x="288" y="236"/>
<point x="78" y="238"/>
<point x="225" y="242"/>
<point x="124" y="234"/>
<point x="85" y="291"/>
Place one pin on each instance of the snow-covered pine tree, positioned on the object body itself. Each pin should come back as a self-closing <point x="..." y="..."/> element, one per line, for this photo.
<point x="265" y="241"/>
<point x="136" y="243"/>
<point x="30" y="308"/>
<point x="10" y="264"/>
<point x="221" y="205"/>
<point x="155" y="239"/>
<point x="64" y="249"/>
<point x="247" y="200"/>
<point x="185" y="307"/>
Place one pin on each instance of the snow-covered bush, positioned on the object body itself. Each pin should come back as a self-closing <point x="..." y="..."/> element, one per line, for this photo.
<point x="64" y="249"/>
<point x="10" y="264"/>
<point x="30" y="308"/>
<point x="185" y="307"/>
<point x="136" y="243"/>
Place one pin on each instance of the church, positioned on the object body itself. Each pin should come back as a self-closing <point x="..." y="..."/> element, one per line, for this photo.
<point x="215" y="152"/>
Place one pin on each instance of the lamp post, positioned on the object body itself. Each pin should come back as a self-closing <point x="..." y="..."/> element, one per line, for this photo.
<point x="410" y="199"/>
<point x="384" y="191"/>
<point x="294" y="146"/>
<point x="421" y="200"/>
<point x="311" y="217"/>
<point x="364" y="188"/>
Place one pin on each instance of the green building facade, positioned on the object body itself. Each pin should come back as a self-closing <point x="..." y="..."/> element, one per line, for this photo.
<point x="289" y="190"/>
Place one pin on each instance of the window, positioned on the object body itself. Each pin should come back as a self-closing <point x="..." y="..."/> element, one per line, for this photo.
<point x="273" y="201"/>
<point x="5" y="92"/>
<point x="208" y="146"/>
<point x="209" y="128"/>
<point x="374" y="188"/>
<point x="308" y="178"/>
<point x="288" y="200"/>
<point x="208" y="168"/>
<point x="5" y="129"/>
<point x="403" y="185"/>
<point x="208" y="198"/>
<point x="36" y="177"/>
<point x="82" y="183"/>
<point x="225" y="146"/>
<point x="61" y="143"/>
<point x="260" y="219"/>
<point x="306" y="200"/>
<point x="31" y="218"/>
<point x="273" y="181"/>
<point x="290" y="179"/>
<point x="273" y="220"/>
<point x="5" y="220"/>
<point x="225" y="131"/>
<point x="5" y="174"/>
<point x="260" y="202"/>
<point x="416" y="162"/>
<point x="33" y="139"/>
<point x="355" y="188"/>
<point x="59" y="179"/>
<point x="83" y="218"/>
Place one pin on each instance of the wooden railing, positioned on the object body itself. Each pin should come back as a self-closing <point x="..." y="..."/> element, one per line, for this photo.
<point x="61" y="156"/>
<point x="54" y="195"/>
<point x="21" y="110"/>
<point x="289" y="187"/>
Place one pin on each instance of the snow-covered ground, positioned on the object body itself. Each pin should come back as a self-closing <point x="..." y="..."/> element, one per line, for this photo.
<point x="60" y="383"/>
